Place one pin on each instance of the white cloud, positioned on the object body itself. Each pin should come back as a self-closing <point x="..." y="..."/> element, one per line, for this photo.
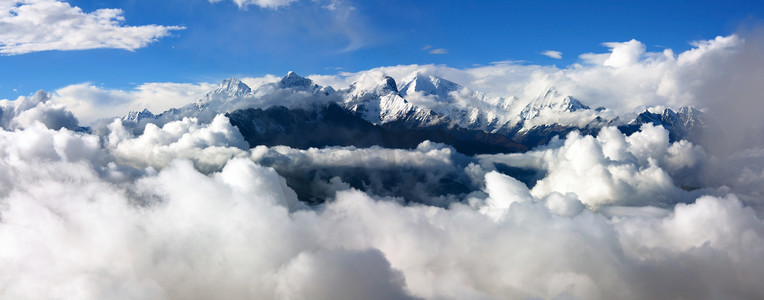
<point x="611" y="168"/>
<point x="209" y="146"/>
<point x="41" y="25"/>
<point x="438" y="51"/>
<point x="272" y="4"/>
<point x="26" y="112"/>
<point x="334" y="26"/>
<point x="90" y="103"/>
<point x="255" y="82"/>
<point x="552" y="54"/>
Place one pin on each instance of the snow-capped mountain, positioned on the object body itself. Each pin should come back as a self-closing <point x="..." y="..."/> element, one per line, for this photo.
<point x="459" y="105"/>
<point x="686" y="123"/>
<point x="292" y="80"/>
<point x="552" y="113"/>
<point x="136" y="116"/>
<point x="428" y="85"/>
<point x="551" y="102"/>
<point x="377" y="100"/>
<point x="233" y="94"/>
<point x="229" y="89"/>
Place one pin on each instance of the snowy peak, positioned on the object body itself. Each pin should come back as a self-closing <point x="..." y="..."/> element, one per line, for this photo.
<point x="372" y="84"/>
<point x="389" y="84"/>
<point x="375" y="97"/>
<point x="136" y="116"/>
<point x="297" y="83"/>
<point x="685" y="123"/>
<point x="692" y="117"/>
<point x="232" y="87"/>
<point x="292" y="80"/>
<point x="427" y="85"/>
<point x="228" y="89"/>
<point x="552" y="101"/>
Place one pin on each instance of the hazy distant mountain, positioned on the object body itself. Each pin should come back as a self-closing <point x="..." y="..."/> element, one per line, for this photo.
<point x="686" y="123"/>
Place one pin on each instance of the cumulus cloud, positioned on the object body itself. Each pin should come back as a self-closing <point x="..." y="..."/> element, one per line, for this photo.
<point x="611" y="168"/>
<point x="552" y="54"/>
<point x="41" y="25"/>
<point x="210" y="146"/>
<point x="27" y="111"/>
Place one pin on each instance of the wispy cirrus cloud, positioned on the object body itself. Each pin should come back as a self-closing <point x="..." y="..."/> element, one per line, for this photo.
<point x="273" y="4"/>
<point x="439" y="51"/>
<point x="337" y="24"/>
<point x="41" y="25"/>
<point x="432" y="50"/>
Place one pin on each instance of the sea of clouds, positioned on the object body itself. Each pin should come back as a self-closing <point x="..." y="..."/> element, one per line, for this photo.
<point x="187" y="210"/>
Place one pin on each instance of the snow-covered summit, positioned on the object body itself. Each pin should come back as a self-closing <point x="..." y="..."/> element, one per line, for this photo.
<point x="295" y="83"/>
<point x="427" y="85"/>
<point x="375" y="98"/>
<point x="229" y="89"/>
<point x="460" y="105"/>
<point x="232" y="87"/>
<point x="551" y="101"/>
<point x="292" y="80"/>
<point x="136" y="116"/>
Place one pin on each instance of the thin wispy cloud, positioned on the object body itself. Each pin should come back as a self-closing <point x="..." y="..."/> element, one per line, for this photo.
<point x="432" y="50"/>
<point x="272" y="4"/>
<point x="552" y="54"/>
<point x="334" y="23"/>
<point x="439" y="51"/>
<point x="42" y="25"/>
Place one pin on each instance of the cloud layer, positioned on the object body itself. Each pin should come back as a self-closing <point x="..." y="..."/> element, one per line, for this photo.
<point x="75" y="222"/>
<point x="42" y="25"/>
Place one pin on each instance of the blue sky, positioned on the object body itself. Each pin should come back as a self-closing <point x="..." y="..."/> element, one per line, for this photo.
<point x="223" y="39"/>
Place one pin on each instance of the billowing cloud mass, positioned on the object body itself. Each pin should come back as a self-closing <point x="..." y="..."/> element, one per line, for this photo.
<point x="41" y="25"/>
<point x="209" y="146"/>
<point x="79" y="223"/>
<point x="188" y="210"/>
<point x="26" y="111"/>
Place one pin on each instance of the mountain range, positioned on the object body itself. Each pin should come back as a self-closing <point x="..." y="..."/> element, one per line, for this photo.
<point x="377" y="110"/>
